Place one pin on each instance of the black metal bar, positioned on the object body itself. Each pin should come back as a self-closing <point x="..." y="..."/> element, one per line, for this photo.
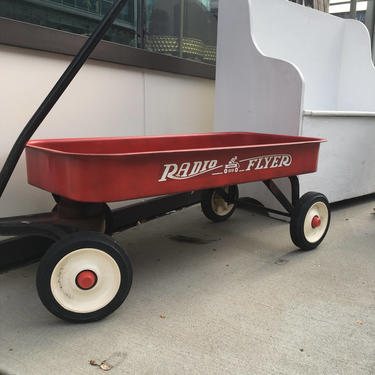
<point x="21" y="250"/>
<point x="271" y="210"/>
<point x="130" y="216"/>
<point x="77" y="216"/>
<point x="244" y="203"/>
<point x="56" y="93"/>
<point x="353" y="9"/>
<point x="279" y="195"/>
<point x="181" y="33"/>
<point x="56" y="224"/>
<point x="141" y="23"/>
<point x="294" y="181"/>
<point x="52" y="231"/>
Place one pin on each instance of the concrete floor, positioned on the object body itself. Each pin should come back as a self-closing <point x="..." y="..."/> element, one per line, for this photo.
<point x="243" y="302"/>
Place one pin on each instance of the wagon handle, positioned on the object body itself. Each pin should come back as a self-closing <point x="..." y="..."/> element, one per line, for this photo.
<point x="56" y="92"/>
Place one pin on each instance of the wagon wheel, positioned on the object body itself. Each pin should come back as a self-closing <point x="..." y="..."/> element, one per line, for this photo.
<point x="84" y="277"/>
<point x="219" y="204"/>
<point x="310" y="220"/>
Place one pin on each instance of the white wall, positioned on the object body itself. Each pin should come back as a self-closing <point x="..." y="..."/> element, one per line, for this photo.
<point x="103" y="100"/>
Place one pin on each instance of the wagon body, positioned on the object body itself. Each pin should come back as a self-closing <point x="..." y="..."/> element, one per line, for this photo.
<point x="117" y="169"/>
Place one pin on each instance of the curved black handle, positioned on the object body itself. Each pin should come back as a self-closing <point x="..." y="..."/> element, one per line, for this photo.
<point x="56" y="93"/>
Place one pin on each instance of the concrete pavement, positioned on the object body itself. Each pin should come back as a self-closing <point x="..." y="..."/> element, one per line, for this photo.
<point x="228" y="298"/>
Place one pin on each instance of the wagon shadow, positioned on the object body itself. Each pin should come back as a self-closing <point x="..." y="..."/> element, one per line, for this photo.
<point x="345" y="204"/>
<point x="169" y="246"/>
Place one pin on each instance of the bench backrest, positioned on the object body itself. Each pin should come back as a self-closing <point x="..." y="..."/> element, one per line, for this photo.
<point x="276" y="59"/>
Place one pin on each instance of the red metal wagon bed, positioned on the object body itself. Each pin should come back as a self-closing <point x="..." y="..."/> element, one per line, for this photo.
<point x="85" y="274"/>
<point x="117" y="169"/>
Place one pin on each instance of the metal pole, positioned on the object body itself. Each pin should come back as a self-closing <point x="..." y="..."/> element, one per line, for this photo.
<point x="141" y="23"/>
<point x="370" y="23"/>
<point x="56" y="93"/>
<point x="182" y="15"/>
<point x="353" y="9"/>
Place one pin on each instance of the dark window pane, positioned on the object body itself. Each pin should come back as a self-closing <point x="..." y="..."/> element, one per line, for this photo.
<point x="77" y="16"/>
<point x="183" y="28"/>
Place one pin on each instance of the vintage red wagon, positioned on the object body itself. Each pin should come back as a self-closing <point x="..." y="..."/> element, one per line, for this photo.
<point x="85" y="274"/>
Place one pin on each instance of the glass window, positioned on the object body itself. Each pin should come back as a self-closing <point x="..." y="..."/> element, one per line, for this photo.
<point x="76" y="16"/>
<point x="183" y="28"/>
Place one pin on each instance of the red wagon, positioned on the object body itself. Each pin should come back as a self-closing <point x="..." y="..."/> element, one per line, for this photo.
<point x="85" y="274"/>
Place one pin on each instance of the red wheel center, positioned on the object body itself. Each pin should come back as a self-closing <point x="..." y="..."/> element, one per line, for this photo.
<point x="86" y="279"/>
<point x="316" y="222"/>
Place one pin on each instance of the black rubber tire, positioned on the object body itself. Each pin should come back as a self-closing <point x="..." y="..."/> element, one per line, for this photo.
<point x="209" y="211"/>
<point x="67" y="245"/>
<point x="298" y="216"/>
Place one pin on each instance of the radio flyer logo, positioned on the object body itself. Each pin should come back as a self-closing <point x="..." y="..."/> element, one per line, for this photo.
<point x="193" y="169"/>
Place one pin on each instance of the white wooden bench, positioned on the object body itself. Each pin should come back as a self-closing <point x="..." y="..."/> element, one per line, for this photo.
<point x="288" y="69"/>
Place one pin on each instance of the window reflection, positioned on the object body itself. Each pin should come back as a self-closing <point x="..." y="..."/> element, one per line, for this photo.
<point x="183" y="28"/>
<point x="76" y="16"/>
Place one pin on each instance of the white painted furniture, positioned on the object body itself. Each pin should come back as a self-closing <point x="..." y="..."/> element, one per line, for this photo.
<point x="288" y="69"/>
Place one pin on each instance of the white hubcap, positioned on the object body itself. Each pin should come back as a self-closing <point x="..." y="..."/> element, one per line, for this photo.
<point x="219" y="205"/>
<point x="316" y="222"/>
<point x="64" y="284"/>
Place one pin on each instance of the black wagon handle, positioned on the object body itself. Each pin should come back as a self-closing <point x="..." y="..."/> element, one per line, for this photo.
<point x="56" y="93"/>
